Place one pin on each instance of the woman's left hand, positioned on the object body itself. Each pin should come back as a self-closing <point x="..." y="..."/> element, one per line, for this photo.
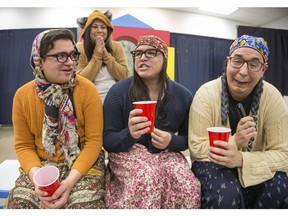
<point x="160" y="139"/>
<point x="228" y="155"/>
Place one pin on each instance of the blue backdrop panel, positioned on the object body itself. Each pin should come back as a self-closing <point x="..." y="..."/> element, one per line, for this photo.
<point x="277" y="40"/>
<point x="198" y="59"/>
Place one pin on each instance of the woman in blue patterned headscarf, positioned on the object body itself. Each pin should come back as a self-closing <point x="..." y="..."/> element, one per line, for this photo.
<point x="250" y="171"/>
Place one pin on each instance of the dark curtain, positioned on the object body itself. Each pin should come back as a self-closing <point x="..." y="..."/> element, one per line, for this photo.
<point x="198" y="59"/>
<point x="277" y="40"/>
<point x="15" y="67"/>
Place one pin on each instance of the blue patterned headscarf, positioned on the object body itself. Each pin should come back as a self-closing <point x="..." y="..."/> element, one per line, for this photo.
<point x="257" y="43"/>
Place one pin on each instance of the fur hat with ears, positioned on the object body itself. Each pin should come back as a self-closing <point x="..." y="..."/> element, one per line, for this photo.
<point x="84" y="22"/>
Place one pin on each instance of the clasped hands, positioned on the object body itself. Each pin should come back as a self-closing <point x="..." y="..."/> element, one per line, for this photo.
<point x="100" y="44"/>
<point x="57" y="200"/>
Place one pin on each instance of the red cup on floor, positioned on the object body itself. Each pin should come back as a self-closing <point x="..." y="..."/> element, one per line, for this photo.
<point x="47" y="179"/>
<point x="218" y="133"/>
<point x="148" y="108"/>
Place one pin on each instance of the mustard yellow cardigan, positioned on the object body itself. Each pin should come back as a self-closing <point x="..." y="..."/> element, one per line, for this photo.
<point x="27" y="117"/>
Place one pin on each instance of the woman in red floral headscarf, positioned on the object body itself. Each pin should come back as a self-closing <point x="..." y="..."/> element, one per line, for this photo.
<point x="148" y="170"/>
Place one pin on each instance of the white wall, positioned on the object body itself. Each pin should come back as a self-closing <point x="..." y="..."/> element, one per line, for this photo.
<point x="160" y="19"/>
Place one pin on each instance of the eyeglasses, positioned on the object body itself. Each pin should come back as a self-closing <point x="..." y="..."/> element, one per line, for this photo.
<point x="149" y="53"/>
<point x="63" y="57"/>
<point x="253" y="65"/>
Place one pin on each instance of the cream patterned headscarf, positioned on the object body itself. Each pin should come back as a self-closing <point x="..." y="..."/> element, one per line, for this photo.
<point x="59" y="122"/>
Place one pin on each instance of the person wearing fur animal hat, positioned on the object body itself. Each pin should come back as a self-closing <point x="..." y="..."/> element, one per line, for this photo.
<point x="102" y="60"/>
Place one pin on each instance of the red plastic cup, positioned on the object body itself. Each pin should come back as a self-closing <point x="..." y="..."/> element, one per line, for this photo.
<point x="218" y="133"/>
<point x="148" y="108"/>
<point x="47" y="179"/>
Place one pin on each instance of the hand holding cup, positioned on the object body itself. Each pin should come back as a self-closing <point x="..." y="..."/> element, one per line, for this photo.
<point x="148" y="108"/>
<point x="218" y="133"/>
<point x="47" y="179"/>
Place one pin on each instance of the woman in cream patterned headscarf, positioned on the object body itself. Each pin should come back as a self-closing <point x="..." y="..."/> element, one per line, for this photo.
<point x="58" y="120"/>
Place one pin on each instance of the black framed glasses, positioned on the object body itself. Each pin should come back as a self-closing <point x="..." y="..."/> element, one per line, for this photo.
<point x="149" y="53"/>
<point x="63" y="57"/>
<point x="253" y="65"/>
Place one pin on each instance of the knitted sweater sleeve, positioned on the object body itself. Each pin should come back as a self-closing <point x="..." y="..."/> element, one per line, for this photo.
<point x="89" y="112"/>
<point x="117" y="64"/>
<point x="270" y="148"/>
<point x="117" y="137"/>
<point x="205" y="112"/>
<point x="177" y="112"/>
<point x="24" y="123"/>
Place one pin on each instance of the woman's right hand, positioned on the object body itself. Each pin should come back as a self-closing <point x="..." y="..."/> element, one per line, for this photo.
<point x="43" y="195"/>
<point x="246" y="129"/>
<point x="138" y="125"/>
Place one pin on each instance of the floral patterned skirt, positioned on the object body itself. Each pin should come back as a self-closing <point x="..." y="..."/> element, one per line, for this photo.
<point x="139" y="179"/>
<point x="88" y="192"/>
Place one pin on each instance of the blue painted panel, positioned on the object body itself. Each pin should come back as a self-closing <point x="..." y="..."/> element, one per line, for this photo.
<point x="129" y="21"/>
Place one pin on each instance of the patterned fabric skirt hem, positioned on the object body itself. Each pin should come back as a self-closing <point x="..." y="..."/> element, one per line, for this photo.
<point x="87" y="193"/>
<point x="139" y="179"/>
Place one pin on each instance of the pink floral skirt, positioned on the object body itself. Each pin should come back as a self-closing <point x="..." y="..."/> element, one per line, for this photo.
<point x="139" y="179"/>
